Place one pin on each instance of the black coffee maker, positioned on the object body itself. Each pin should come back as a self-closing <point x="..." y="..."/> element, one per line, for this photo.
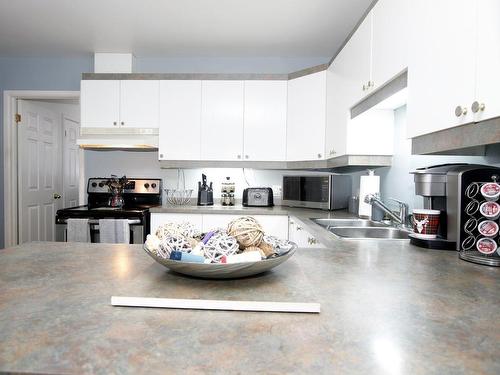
<point x="450" y="188"/>
<point x="205" y="192"/>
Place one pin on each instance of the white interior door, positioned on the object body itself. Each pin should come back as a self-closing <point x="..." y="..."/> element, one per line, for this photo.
<point x="71" y="162"/>
<point x="39" y="171"/>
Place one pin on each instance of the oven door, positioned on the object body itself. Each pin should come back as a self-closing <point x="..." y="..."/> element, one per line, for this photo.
<point x="137" y="230"/>
<point x="307" y="191"/>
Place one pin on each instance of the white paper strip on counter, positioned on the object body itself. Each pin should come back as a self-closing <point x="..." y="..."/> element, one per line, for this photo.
<point x="203" y="304"/>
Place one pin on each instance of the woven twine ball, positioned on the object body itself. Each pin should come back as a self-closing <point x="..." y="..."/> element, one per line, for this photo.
<point x="168" y="229"/>
<point x="268" y="250"/>
<point x="219" y="245"/>
<point x="247" y="231"/>
<point x="171" y="243"/>
<point x="189" y="230"/>
<point x="280" y="246"/>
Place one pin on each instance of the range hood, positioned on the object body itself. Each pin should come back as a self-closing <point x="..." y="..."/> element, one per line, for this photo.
<point x="141" y="139"/>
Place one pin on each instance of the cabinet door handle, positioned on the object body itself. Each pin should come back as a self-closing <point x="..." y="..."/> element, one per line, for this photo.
<point x="364" y="88"/>
<point x="161" y="156"/>
<point x="246" y="156"/>
<point x="239" y="156"/>
<point x="476" y="107"/>
<point x="319" y="156"/>
<point x="299" y="227"/>
<point x="460" y="111"/>
<point x="115" y="123"/>
<point x="122" y="123"/>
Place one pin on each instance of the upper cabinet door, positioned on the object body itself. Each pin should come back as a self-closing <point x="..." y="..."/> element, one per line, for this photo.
<point x="100" y="104"/>
<point x="440" y="65"/>
<point x="306" y="117"/>
<point x="355" y="67"/>
<point x="389" y="40"/>
<point x="222" y="120"/>
<point x="488" y="61"/>
<point x="337" y="111"/>
<point x="139" y="104"/>
<point x="265" y="120"/>
<point x="180" y="120"/>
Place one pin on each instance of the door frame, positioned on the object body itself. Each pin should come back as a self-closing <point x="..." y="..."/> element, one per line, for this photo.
<point x="10" y="174"/>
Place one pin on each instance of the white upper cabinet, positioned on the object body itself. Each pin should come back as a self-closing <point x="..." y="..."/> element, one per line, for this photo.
<point x="100" y="104"/>
<point x="488" y="61"/>
<point x="139" y="103"/>
<point x="222" y="120"/>
<point x="305" y="139"/>
<point x="180" y="120"/>
<point x="389" y="40"/>
<point x="355" y="63"/>
<point x="441" y="65"/>
<point x="337" y="110"/>
<point x="265" y="120"/>
<point x="113" y="104"/>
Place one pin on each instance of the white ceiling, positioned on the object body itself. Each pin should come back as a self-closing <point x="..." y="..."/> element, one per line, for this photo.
<point x="177" y="28"/>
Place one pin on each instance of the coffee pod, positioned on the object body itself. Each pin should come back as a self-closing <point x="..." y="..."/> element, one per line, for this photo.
<point x="486" y="246"/>
<point x="490" y="210"/>
<point x="488" y="228"/>
<point x="490" y="191"/>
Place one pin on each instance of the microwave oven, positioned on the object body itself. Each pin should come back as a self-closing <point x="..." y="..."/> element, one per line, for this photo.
<point x="325" y="191"/>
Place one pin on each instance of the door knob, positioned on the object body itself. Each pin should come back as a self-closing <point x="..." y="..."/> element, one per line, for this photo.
<point x="476" y="107"/>
<point x="56" y="196"/>
<point x="460" y="111"/>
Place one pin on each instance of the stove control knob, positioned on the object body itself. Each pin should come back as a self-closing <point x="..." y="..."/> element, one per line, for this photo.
<point x="146" y="185"/>
<point x="101" y="184"/>
<point x="153" y="185"/>
<point x="94" y="184"/>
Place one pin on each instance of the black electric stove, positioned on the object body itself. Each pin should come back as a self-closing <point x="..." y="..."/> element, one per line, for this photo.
<point x="139" y="196"/>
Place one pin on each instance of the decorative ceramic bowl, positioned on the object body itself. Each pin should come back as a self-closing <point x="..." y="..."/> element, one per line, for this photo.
<point x="221" y="270"/>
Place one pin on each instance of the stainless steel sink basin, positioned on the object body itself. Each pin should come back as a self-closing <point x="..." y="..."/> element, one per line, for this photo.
<point x="358" y="223"/>
<point x="359" y="229"/>
<point x="387" y="233"/>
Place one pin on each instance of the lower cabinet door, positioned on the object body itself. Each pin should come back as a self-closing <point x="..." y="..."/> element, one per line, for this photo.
<point x="302" y="237"/>
<point x="275" y="225"/>
<point x="162" y="218"/>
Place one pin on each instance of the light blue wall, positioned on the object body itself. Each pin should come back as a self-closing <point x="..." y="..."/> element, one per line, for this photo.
<point x="65" y="73"/>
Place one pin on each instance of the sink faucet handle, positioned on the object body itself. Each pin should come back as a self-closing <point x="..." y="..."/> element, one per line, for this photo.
<point x="401" y="203"/>
<point x="370" y="197"/>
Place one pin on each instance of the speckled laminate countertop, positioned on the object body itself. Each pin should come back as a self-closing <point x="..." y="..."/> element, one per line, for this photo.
<point x="386" y="308"/>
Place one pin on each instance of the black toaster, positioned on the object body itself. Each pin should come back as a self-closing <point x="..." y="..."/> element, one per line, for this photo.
<point x="258" y="197"/>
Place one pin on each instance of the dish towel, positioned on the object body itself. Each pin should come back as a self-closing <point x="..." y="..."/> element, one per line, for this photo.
<point x="78" y="230"/>
<point x="114" y="231"/>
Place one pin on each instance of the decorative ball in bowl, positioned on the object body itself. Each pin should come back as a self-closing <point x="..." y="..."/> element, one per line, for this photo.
<point x="242" y="249"/>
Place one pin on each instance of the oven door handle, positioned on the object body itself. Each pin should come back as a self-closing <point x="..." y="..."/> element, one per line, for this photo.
<point x="96" y="222"/>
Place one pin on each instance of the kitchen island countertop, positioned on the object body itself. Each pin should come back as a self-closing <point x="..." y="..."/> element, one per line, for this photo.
<point x="387" y="307"/>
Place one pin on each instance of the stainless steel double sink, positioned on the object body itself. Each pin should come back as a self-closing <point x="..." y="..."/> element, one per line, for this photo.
<point x="358" y="229"/>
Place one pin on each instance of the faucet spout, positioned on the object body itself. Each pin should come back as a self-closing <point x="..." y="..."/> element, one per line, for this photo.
<point x="374" y="199"/>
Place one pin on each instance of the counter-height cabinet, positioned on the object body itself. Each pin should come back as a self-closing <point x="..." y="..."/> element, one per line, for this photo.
<point x="276" y="225"/>
<point x="180" y="120"/>
<point x="306" y="117"/>
<point x="120" y="104"/>
<point x="453" y="72"/>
